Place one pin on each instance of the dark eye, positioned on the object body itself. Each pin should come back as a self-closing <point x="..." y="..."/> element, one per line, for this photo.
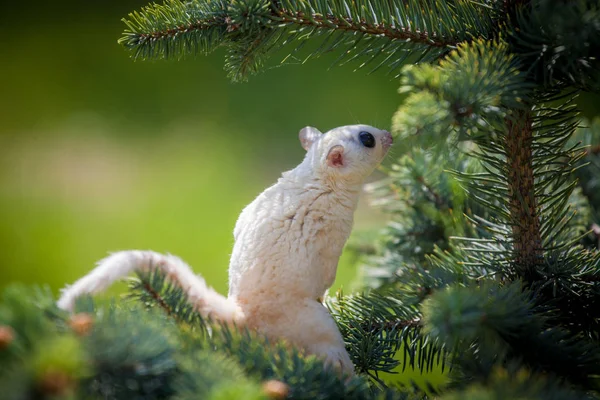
<point x="366" y="139"/>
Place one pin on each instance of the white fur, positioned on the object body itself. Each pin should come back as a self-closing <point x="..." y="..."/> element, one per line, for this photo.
<point x="287" y="245"/>
<point x="119" y="265"/>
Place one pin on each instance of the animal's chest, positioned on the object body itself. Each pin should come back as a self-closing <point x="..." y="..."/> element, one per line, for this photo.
<point x="329" y="245"/>
<point x="312" y="235"/>
<point x="290" y="238"/>
<point x="317" y="225"/>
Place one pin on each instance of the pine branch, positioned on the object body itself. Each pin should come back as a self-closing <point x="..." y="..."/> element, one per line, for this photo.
<point x="525" y="185"/>
<point x="382" y="333"/>
<point x="299" y="18"/>
<point x="155" y="296"/>
<point x="131" y="345"/>
<point x="154" y="288"/>
<point x="375" y="348"/>
<point x="254" y="29"/>
<point x="391" y="324"/>
<point x="494" y="325"/>
<point x="524" y="219"/>
<point x="389" y="31"/>
<point x="257" y="357"/>
<point x="470" y="91"/>
<point x="214" y="376"/>
<point x="536" y="217"/>
<point x="515" y="382"/>
<point x="427" y="205"/>
<point x="558" y="41"/>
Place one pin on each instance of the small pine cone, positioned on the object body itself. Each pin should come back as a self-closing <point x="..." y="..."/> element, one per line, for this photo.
<point x="7" y="335"/>
<point x="55" y="383"/>
<point x="276" y="389"/>
<point x="81" y="323"/>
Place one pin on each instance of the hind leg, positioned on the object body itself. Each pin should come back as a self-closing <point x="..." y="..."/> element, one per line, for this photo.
<point x="306" y="324"/>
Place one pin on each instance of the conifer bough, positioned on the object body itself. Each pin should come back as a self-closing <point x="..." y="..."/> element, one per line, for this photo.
<point x="251" y="30"/>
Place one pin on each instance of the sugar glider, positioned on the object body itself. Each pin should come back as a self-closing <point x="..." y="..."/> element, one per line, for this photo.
<point x="287" y="245"/>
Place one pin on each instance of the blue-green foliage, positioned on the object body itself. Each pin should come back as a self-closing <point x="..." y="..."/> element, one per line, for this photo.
<point x="378" y="34"/>
<point x="468" y="91"/>
<point x="559" y="42"/>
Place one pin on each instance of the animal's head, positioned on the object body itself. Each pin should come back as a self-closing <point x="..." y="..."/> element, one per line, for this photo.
<point x="345" y="154"/>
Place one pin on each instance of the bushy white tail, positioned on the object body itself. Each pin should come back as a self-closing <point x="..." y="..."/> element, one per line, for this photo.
<point x="119" y="265"/>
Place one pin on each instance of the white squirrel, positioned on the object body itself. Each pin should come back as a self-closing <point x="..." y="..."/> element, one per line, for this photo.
<point x="287" y="245"/>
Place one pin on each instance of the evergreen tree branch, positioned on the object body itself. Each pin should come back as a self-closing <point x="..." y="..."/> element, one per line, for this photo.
<point x="382" y="333"/>
<point x="495" y="325"/>
<point x="155" y="296"/>
<point x="307" y="376"/>
<point x="388" y="31"/>
<point x="558" y="270"/>
<point x="470" y="91"/>
<point x="254" y="29"/>
<point x="558" y="41"/>
<point x="366" y="322"/>
<point x="427" y="205"/>
<point x="523" y="207"/>
<point x="391" y="324"/>
<point x="514" y="382"/>
<point x="155" y="289"/>
<point x="299" y="18"/>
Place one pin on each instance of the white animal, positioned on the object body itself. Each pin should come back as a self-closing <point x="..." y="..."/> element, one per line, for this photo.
<point x="287" y="245"/>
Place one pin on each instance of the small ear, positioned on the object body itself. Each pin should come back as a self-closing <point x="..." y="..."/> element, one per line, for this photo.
<point x="308" y="135"/>
<point x="335" y="157"/>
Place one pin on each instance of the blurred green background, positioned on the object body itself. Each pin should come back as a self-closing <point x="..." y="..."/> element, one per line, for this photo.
<point x="99" y="153"/>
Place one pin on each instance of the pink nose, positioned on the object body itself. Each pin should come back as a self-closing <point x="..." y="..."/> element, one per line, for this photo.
<point x="386" y="140"/>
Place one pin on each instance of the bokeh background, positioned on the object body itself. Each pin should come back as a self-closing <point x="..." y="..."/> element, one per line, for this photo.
<point x="99" y="153"/>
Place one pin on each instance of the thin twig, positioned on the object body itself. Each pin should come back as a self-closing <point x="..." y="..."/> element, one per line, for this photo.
<point x="161" y="302"/>
<point x="392" y="324"/>
<point x="317" y="20"/>
<point x="348" y="24"/>
<point x="193" y="26"/>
